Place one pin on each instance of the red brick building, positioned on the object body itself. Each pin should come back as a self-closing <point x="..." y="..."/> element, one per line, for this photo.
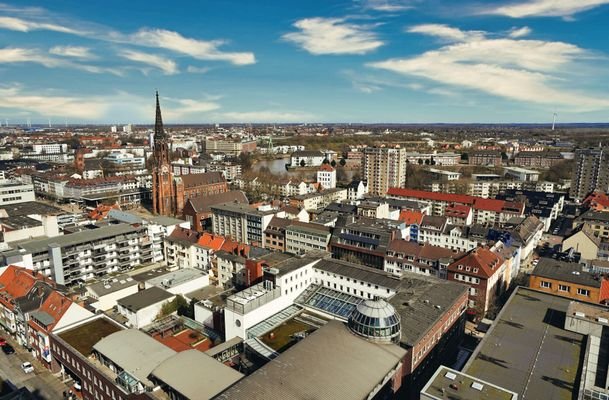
<point x="163" y="189"/>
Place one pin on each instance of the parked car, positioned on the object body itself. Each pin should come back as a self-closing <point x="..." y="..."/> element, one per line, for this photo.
<point x="27" y="367"/>
<point x="2" y="341"/>
<point x="77" y="386"/>
<point x="8" y="349"/>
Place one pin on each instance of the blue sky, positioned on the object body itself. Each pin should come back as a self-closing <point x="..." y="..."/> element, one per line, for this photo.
<point x="305" y="61"/>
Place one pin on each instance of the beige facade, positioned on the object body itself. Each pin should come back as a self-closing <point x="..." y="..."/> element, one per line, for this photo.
<point x="383" y="168"/>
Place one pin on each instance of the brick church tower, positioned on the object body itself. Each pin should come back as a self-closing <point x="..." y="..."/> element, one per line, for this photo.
<point x="163" y="188"/>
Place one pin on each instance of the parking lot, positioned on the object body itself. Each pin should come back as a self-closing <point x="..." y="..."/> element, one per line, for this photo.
<point x="41" y="382"/>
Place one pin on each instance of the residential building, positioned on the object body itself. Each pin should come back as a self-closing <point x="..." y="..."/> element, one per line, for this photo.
<point x="198" y="210"/>
<point x="486" y="211"/>
<point x="591" y="172"/>
<point x="597" y="222"/>
<point x="274" y="235"/>
<point x="597" y="201"/>
<point x="425" y="259"/>
<point x="487" y="276"/>
<point x="357" y="190"/>
<point x="459" y="214"/>
<point x="307" y="158"/>
<point x="583" y="241"/>
<point x="384" y="168"/>
<point x="545" y="206"/>
<point x="84" y="255"/>
<point x="448" y="383"/>
<point x="485" y="158"/>
<point x="301" y="237"/>
<point x="120" y="159"/>
<point x="363" y="240"/>
<point x="314" y="201"/>
<point x="569" y="279"/>
<point x="326" y="176"/>
<point x="241" y="222"/>
<point x="538" y="159"/>
<point x="179" y="282"/>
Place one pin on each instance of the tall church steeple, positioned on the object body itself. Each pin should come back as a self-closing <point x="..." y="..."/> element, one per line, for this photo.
<point x="163" y="189"/>
<point x="159" y="132"/>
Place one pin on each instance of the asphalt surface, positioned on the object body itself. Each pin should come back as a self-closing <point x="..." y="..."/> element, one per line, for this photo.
<point x="41" y="382"/>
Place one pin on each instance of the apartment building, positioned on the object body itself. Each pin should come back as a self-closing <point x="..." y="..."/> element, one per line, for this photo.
<point x="301" y="237"/>
<point x="384" y="168"/>
<point x="591" y="172"/>
<point x="568" y="279"/>
<point x="538" y="159"/>
<point x="314" y="201"/>
<point x="487" y="275"/>
<point x="326" y="176"/>
<point x="241" y="222"/>
<point x="485" y="158"/>
<point x="424" y="259"/>
<point x="84" y="255"/>
<point x="234" y="147"/>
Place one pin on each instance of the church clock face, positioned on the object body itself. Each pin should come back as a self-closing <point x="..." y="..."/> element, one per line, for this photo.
<point x="164" y="169"/>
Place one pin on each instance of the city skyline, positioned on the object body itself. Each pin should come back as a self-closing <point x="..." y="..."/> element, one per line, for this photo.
<point x="350" y="61"/>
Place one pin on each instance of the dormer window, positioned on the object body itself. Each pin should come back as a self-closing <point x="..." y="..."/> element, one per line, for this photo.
<point x="460" y="267"/>
<point x="475" y="270"/>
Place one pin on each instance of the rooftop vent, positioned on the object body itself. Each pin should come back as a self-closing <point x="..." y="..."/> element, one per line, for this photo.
<point x="450" y="375"/>
<point x="603" y="320"/>
<point x="580" y="314"/>
<point x="477" y="386"/>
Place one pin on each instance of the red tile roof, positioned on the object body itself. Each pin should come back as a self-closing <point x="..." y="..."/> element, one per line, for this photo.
<point x="483" y="263"/>
<point x="56" y="305"/>
<point x="457" y="210"/>
<point x="597" y="200"/>
<point x="214" y="242"/>
<point x="16" y="282"/>
<point x="411" y="217"/>
<point x="326" y="167"/>
<point x="478" y="203"/>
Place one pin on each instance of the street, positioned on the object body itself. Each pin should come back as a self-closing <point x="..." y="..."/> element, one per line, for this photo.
<point x="40" y="382"/>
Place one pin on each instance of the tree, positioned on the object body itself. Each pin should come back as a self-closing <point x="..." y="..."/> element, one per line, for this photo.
<point x="178" y="304"/>
<point x="343" y="162"/>
<point x="303" y="163"/>
<point x="427" y="162"/>
<point x="420" y="161"/>
<point x="325" y="161"/>
<point x="333" y="163"/>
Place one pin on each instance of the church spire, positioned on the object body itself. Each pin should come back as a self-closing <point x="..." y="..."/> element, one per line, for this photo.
<point x="159" y="133"/>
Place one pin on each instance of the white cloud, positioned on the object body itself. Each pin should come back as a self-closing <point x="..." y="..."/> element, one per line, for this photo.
<point x="72" y="51"/>
<point x="100" y="108"/>
<point x="39" y="19"/>
<point x="523" y="70"/>
<point x="13" y="55"/>
<point x="198" y="49"/>
<point x="545" y="8"/>
<point x="387" y="5"/>
<point x="266" y="116"/>
<point x="168" y="67"/>
<point x="52" y="105"/>
<point x="197" y="70"/>
<point x="333" y="36"/>
<point x="445" y="32"/>
<point x="21" y="25"/>
<point x="520" y="32"/>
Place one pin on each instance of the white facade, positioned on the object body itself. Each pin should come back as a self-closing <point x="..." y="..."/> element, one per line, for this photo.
<point x="144" y="316"/>
<point x="14" y="192"/>
<point x="51" y="148"/>
<point x="326" y="177"/>
<point x="180" y="282"/>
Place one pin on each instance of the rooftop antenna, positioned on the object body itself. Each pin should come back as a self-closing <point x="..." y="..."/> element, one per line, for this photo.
<point x="554" y="120"/>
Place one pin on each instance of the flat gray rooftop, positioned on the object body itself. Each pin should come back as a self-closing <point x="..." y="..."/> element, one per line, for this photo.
<point x="145" y="298"/>
<point x="448" y="384"/>
<point x="72" y="239"/>
<point x="176" y="278"/>
<point x="527" y="350"/>
<point x="330" y="364"/>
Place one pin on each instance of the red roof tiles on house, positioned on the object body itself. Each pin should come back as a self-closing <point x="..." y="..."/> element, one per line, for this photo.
<point x="411" y="217"/>
<point x="482" y="263"/>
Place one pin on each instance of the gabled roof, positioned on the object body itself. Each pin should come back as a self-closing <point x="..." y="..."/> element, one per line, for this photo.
<point x="204" y="203"/>
<point x="457" y="210"/>
<point x="207" y="178"/>
<point x="326" y="167"/>
<point x="16" y="282"/>
<point x="211" y="241"/>
<point x="184" y="235"/>
<point x="483" y="263"/>
<point x="53" y="308"/>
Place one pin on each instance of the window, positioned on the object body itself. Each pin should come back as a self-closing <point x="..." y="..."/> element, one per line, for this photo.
<point x="545" y="284"/>
<point x="583" y="292"/>
<point x="563" y="288"/>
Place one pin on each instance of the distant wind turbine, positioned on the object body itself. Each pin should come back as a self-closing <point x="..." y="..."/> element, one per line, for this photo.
<point x="554" y="120"/>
